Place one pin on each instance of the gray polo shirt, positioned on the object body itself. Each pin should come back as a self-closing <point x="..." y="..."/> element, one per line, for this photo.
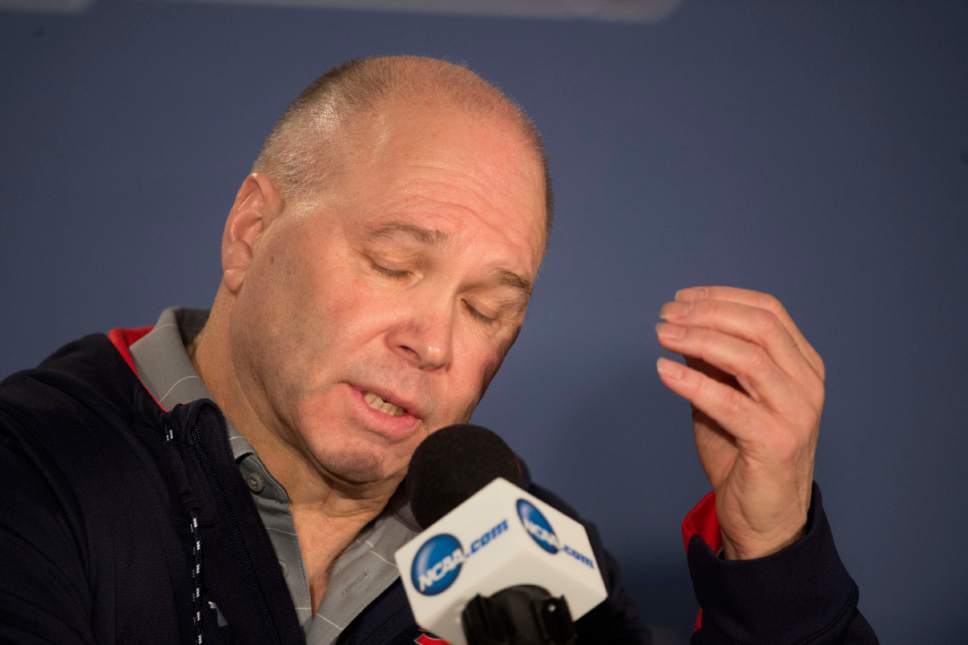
<point x="360" y="574"/>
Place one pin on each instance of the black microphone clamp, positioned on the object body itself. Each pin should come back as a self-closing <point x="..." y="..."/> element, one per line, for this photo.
<point x="519" y="615"/>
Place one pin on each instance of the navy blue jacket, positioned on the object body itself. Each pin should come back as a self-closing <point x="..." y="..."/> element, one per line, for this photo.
<point x="96" y="535"/>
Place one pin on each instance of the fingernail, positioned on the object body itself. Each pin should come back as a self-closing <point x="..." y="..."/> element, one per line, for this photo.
<point x="675" y="309"/>
<point x="691" y="293"/>
<point x="665" y="330"/>
<point x="669" y="369"/>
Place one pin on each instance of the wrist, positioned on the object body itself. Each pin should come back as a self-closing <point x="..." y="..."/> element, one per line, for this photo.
<point x="760" y="547"/>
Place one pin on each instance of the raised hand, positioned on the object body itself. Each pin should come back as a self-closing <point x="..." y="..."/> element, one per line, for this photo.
<point x="756" y="387"/>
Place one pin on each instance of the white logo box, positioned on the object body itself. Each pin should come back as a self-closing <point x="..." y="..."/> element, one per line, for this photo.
<point x="511" y="558"/>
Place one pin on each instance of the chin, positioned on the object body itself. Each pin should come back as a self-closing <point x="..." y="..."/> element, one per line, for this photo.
<point x="358" y="464"/>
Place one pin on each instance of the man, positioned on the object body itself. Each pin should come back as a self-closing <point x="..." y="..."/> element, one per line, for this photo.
<point x="377" y="266"/>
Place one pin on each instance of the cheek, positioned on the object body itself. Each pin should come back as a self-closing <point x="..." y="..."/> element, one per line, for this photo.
<point x="489" y="371"/>
<point x="493" y="360"/>
<point x="286" y="318"/>
<point x="479" y="365"/>
<point x="285" y="301"/>
<point x="312" y="289"/>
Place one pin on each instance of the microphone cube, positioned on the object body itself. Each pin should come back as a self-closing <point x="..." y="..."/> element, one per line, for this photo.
<point x="500" y="537"/>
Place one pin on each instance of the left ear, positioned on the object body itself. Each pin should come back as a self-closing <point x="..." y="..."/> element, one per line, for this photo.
<point x="256" y="205"/>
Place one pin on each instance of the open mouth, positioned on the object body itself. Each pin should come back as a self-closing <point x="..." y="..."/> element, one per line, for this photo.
<point x="380" y="405"/>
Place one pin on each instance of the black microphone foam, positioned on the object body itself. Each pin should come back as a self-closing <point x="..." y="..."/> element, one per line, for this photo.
<point x="452" y="464"/>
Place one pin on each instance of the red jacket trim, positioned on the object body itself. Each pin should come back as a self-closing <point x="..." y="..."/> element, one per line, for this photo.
<point x="123" y="339"/>
<point x="427" y="639"/>
<point x="702" y="521"/>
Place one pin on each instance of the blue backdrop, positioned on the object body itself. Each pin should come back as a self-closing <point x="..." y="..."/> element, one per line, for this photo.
<point x="818" y="151"/>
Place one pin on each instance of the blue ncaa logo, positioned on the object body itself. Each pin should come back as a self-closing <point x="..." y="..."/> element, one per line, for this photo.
<point x="537" y="526"/>
<point x="437" y="564"/>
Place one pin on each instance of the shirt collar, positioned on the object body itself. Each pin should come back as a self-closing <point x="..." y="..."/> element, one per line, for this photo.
<point x="167" y="371"/>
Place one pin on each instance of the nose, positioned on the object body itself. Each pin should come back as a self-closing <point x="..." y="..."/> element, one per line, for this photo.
<point x="425" y="337"/>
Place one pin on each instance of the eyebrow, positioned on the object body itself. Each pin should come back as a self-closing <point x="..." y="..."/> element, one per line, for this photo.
<point x="511" y="279"/>
<point x="419" y="233"/>
<point x="431" y="237"/>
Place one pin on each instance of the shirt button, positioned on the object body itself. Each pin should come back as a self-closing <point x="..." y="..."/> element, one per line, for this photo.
<point x="255" y="482"/>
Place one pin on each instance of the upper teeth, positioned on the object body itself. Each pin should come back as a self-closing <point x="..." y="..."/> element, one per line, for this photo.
<point x="377" y="403"/>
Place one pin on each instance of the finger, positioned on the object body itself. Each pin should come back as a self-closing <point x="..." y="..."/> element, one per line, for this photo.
<point x="735" y="412"/>
<point x="752" y="366"/>
<point x="713" y="372"/>
<point x="760" y="300"/>
<point x="749" y="323"/>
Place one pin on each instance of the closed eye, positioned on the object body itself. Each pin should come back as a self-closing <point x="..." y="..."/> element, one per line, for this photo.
<point x="487" y="320"/>
<point x="397" y="274"/>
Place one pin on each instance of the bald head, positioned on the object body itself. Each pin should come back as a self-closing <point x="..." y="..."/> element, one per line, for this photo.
<point x="311" y="145"/>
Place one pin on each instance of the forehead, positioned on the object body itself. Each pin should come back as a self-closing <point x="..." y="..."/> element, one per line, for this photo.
<point x="456" y="171"/>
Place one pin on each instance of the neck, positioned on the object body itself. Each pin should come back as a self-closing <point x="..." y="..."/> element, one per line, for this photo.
<point x="311" y="490"/>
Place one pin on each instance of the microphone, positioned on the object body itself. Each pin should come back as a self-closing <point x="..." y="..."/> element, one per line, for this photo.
<point x="494" y="565"/>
